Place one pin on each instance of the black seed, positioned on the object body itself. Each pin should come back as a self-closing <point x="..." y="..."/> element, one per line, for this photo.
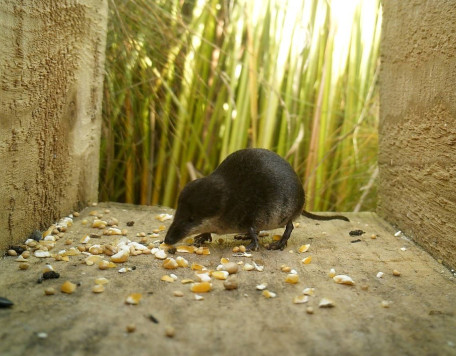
<point x="354" y="241"/>
<point x="130" y="223"/>
<point x="50" y="275"/>
<point x="133" y="268"/>
<point x="18" y="249"/>
<point x="356" y="232"/>
<point x="172" y="250"/>
<point x="5" y="303"/>
<point x="153" y="319"/>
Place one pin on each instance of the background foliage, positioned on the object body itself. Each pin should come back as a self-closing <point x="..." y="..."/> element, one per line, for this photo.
<point x="188" y="82"/>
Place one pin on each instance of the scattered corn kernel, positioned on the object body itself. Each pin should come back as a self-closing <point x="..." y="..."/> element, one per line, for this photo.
<point x="167" y="278"/>
<point x="292" y="278"/>
<point x="178" y="293"/>
<point x="181" y="262"/>
<point x="301" y="299"/>
<point x="92" y="260"/>
<point x="121" y="256"/>
<point x="42" y="254"/>
<point x="201" y="287"/>
<point x="170" y="263"/>
<point x="197" y="267"/>
<point x="276" y="237"/>
<point x="84" y="240"/>
<point x="385" y="304"/>
<point x="332" y="273"/>
<point x="25" y="254"/>
<point x="133" y="298"/>
<point x="160" y="254"/>
<point x="308" y="291"/>
<point x="96" y="250"/>
<point x="49" y="291"/>
<point x="99" y="224"/>
<point x="68" y="287"/>
<point x="12" y="253"/>
<point x="261" y="286"/>
<point x="98" y="288"/>
<point x="379" y="274"/>
<point x="268" y="294"/>
<point x="326" y="303"/>
<point x="203" y="277"/>
<point x="187" y="281"/>
<point x="131" y="328"/>
<point x="248" y="267"/>
<point x="396" y="273"/>
<point x="307" y="260"/>
<point x="286" y="269"/>
<point x="101" y="281"/>
<point x="309" y="310"/>
<point x="242" y="248"/>
<point x="343" y="279"/>
<point x="199" y="297"/>
<point x="220" y="274"/>
<point x="304" y="248"/>
<point x="236" y="249"/>
<point x="186" y="249"/>
<point x="163" y="217"/>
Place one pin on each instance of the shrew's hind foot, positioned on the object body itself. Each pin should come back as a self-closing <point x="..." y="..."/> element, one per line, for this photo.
<point x="253" y="245"/>
<point x="282" y="243"/>
<point x="201" y="239"/>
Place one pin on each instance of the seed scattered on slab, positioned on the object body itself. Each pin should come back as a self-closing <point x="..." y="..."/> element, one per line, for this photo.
<point x="99" y="224"/>
<point x="356" y="232"/>
<point x="181" y="262"/>
<point x="307" y="260"/>
<point x="98" y="288"/>
<point x="396" y="273"/>
<point x="163" y="217"/>
<point x="230" y="267"/>
<point x="385" y="304"/>
<point x="42" y="254"/>
<point x="301" y="299"/>
<point x="242" y="248"/>
<point x="25" y="254"/>
<point x="332" y="273"/>
<point x="170" y="331"/>
<point x="222" y="275"/>
<point x="202" y="287"/>
<point x="261" y="286"/>
<point x="23" y="266"/>
<point x="398" y="233"/>
<point x="236" y="249"/>
<point x="96" y="249"/>
<point x="199" y="297"/>
<point x="308" y="291"/>
<point x="276" y="237"/>
<point x="303" y="248"/>
<point x="131" y="328"/>
<point x="167" y="278"/>
<point x="197" y="267"/>
<point x="170" y="263"/>
<point x="20" y="259"/>
<point x="248" y="267"/>
<point x="68" y="287"/>
<point x="379" y="274"/>
<point x="42" y="335"/>
<point x="133" y="298"/>
<point x="373" y="236"/>
<point x="121" y="256"/>
<point x="292" y="278"/>
<point x="343" y="279"/>
<point x="49" y="291"/>
<point x="285" y="269"/>
<point x="326" y="303"/>
<point x="309" y="310"/>
<point x="231" y="283"/>
<point x="178" y="293"/>
<point x="187" y="281"/>
<point x="12" y="253"/>
<point x="160" y="254"/>
<point x="268" y="294"/>
<point x="186" y="249"/>
<point x="203" y="277"/>
<point x="101" y="281"/>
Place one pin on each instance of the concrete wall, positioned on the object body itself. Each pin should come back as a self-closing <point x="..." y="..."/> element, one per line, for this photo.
<point x="417" y="153"/>
<point x="51" y="73"/>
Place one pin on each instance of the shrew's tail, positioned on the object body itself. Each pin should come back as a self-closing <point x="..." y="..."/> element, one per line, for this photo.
<point x="323" y="217"/>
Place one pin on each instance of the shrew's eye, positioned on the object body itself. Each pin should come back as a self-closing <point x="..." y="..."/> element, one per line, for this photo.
<point x="191" y="219"/>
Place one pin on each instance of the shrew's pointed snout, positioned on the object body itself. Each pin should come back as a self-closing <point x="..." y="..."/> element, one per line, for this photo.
<point x="175" y="233"/>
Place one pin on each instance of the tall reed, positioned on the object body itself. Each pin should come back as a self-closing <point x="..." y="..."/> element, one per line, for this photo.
<point x="188" y="82"/>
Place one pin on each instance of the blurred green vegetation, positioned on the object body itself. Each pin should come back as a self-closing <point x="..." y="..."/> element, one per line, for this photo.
<point x="188" y="82"/>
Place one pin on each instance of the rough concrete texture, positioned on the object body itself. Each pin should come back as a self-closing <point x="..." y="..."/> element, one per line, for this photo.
<point x="51" y="71"/>
<point x="417" y="136"/>
<point x="420" y="319"/>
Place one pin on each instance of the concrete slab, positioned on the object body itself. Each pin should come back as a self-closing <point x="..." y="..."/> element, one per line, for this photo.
<point x="420" y="319"/>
